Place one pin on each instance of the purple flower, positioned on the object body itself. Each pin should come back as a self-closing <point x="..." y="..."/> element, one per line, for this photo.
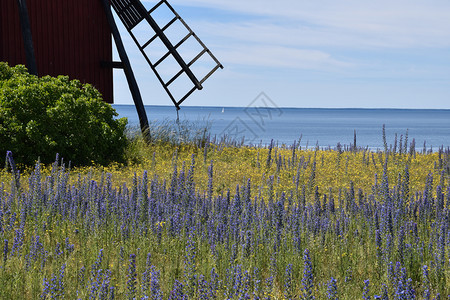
<point x="81" y="275"/>
<point x="247" y="247"/>
<point x="233" y="254"/>
<point x="213" y="284"/>
<point x="410" y="292"/>
<point x="69" y="247"/>
<point x="297" y="241"/>
<point x="332" y="289"/>
<point x="60" y="285"/>
<point x="10" y="160"/>
<point x="131" y="283"/>
<point x="121" y="255"/>
<point x="18" y="242"/>
<point x="384" y="293"/>
<point x="95" y="284"/>
<point x="268" y="288"/>
<point x="401" y="244"/>
<point x="237" y="282"/>
<point x="96" y="266"/>
<point x="46" y="288"/>
<point x="55" y="287"/>
<point x="58" y="250"/>
<point x="5" y="251"/>
<point x="14" y="171"/>
<point x="190" y="266"/>
<point x="104" y="290"/>
<point x="288" y="287"/>
<point x="111" y="292"/>
<point x="388" y="248"/>
<point x="145" y="284"/>
<point x="378" y="244"/>
<point x="237" y="205"/>
<point x="366" y="290"/>
<point x="441" y="247"/>
<point x="36" y="251"/>
<point x="1" y="219"/>
<point x="308" y="277"/>
<point x="426" y="283"/>
<point x="202" y="288"/>
<point x="403" y="286"/>
<point x="177" y="292"/>
<point x="256" y="283"/>
<point x="154" y="285"/>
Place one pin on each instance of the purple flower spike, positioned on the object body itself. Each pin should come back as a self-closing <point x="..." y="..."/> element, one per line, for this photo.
<point x="131" y="283"/>
<point x="288" y="287"/>
<point x="366" y="290"/>
<point x="332" y="289"/>
<point x="5" y="251"/>
<point x="308" y="277"/>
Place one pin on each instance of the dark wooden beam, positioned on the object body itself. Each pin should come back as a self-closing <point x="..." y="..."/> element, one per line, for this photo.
<point x="132" y="84"/>
<point x="27" y="39"/>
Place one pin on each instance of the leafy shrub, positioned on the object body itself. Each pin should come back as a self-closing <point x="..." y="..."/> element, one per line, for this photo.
<point x="40" y="117"/>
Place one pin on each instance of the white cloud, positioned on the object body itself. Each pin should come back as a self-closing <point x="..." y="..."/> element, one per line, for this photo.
<point x="382" y="23"/>
<point x="279" y="57"/>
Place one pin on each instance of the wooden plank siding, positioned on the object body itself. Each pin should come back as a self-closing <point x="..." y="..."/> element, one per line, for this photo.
<point x="70" y="37"/>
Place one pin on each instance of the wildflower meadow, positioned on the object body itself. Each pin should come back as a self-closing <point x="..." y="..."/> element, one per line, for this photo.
<point x="218" y="220"/>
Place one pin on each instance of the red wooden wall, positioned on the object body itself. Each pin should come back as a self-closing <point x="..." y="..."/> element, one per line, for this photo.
<point x="70" y="37"/>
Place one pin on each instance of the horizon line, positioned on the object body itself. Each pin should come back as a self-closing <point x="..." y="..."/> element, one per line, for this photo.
<point x="286" y="107"/>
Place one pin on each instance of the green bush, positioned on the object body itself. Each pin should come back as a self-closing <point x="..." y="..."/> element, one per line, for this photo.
<point x="40" y="117"/>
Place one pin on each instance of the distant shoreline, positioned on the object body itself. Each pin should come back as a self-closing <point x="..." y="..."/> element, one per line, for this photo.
<point x="290" y="107"/>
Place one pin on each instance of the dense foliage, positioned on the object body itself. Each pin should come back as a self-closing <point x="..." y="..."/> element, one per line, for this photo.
<point x="40" y="117"/>
<point x="225" y="222"/>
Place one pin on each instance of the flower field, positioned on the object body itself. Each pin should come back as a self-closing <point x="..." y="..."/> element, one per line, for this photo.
<point x="219" y="221"/>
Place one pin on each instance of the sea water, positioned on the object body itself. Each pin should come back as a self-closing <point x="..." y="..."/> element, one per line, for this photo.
<point x="312" y="126"/>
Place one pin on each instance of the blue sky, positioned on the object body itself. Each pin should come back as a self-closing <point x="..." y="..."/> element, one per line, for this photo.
<point x="352" y="53"/>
